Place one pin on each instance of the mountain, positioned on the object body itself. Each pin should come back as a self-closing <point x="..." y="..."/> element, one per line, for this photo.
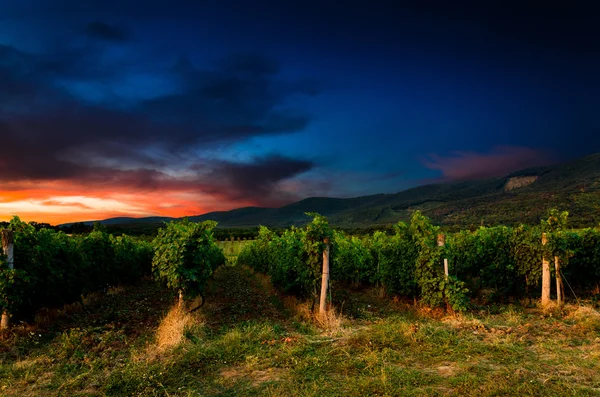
<point x="125" y="221"/>
<point x="521" y="197"/>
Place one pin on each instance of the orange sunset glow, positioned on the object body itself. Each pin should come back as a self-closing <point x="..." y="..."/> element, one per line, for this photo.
<point x="57" y="203"/>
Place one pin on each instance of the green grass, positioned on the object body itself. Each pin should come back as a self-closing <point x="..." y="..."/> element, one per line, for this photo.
<point x="247" y="340"/>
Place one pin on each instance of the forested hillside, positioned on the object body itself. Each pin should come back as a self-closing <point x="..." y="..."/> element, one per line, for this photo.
<point x="521" y="197"/>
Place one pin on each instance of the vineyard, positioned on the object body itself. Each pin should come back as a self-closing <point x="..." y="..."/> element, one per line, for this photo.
<point x="486" y="265"/>
<point x="402" y="325"/>
<point x="53" y="268"/>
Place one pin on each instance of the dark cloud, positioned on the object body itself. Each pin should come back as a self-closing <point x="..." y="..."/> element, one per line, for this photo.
<point x="242" y="97"/>
<point x="103" y="31"/>
<point x="21" y="78"/>
<point x="51" y="133"/>
<point x="256" y="180"/>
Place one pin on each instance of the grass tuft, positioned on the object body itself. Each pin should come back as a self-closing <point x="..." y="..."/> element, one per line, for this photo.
<point x="171" y="329"/>
<point x="587" y="317"/>
<point x="331" y="320"/>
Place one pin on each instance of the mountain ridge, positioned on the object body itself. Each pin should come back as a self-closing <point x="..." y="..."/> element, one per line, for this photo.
<point x="573" y="186"/>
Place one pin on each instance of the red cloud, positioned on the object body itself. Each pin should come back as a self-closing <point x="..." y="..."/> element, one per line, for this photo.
<point x="500" y="161"/>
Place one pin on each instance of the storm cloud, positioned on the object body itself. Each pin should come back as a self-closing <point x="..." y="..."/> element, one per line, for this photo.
<point x="256" y="180"/>
<point x="55" y="125"/>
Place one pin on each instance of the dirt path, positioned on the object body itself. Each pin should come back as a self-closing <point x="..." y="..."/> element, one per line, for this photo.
<point x="236" y="295"/>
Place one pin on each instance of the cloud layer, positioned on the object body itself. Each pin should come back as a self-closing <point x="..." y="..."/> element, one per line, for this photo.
<point x="62" y="119"/>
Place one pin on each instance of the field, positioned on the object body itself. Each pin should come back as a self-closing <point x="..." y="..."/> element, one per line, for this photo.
<point x="232" y="248"/>
<point x="426" y="335"/>
<point x="249" y="340"/>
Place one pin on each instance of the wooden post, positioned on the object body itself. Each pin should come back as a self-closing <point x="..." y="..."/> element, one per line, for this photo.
<point x="324" y="279"/>
<point x="180" y="301"/>
<point x="8" y="250"/>
<point x="559" y="286"/>
<point x="441" y="241"/>
<point x="545" y="275"/>
<point x="446" y="267"/>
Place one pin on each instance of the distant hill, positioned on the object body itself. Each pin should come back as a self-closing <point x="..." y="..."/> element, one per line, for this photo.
<point x="125" y="221"/>
<point x="521" y="197"/>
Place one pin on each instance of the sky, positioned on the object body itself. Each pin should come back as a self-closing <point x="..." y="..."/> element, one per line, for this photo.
<point x="177" y="108"/>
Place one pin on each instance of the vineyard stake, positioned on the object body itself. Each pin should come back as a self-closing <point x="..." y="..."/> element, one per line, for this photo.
<point x="180" y="300"/>
<point x="559" y="286"/>
<point x="8" y="249"/>
<point x="441" y="241"/>
<point x="324" y="279"/>
<point x="545" y="275"/>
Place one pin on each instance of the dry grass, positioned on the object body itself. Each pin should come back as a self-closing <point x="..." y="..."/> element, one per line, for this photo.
<point x="331" y="320"/>
<point x="46" y="316"/>
<point x="464" y="322"/>
<point x="91" y="298"/>
<point x="119" y="289"/>
<point x="32" y="362"/>
<point x="170" y="330"/>
<point x="255" y="376"/>
<point x="585" y="313"/>
<point x="301" y="309"/>
<point x="169" y="334"/>
<point x="587" y="317"/>
<point x="552" y="309"/>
